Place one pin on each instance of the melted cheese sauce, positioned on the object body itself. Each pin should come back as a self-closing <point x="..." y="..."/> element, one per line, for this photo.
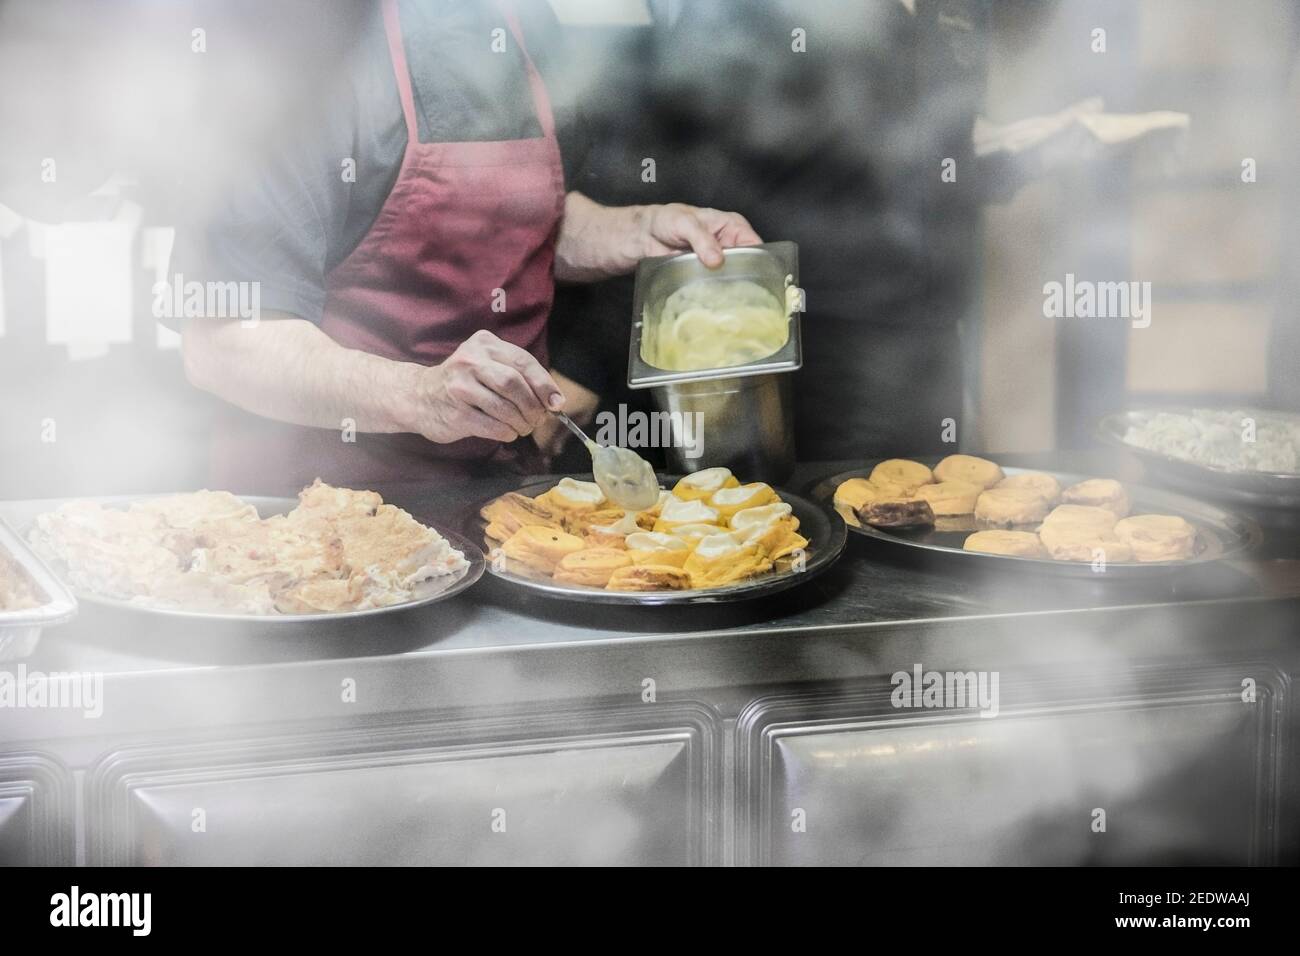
<point x="624" y="477"/>
<point x="717" y="323"/>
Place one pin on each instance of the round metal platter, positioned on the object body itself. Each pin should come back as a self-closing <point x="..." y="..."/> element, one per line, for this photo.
<point x="818" y="523"/>
<point x="440" y="590"/>
<point x="1220" y="534"/>
<point x="1260" y="488"/>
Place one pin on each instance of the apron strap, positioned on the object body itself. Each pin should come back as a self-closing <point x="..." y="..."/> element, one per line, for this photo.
<point x="541" y="98"/>
<point x="397" y="52"/>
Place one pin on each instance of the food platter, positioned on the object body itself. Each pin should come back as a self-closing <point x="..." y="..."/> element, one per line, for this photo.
<point x="21" y="515"/>
<point x="1220" y="534"/>
<point x="817" y="522"/>
<point x="1275" y="490"/>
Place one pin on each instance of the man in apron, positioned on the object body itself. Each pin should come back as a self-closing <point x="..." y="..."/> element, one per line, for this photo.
<point x="409" y="341"/>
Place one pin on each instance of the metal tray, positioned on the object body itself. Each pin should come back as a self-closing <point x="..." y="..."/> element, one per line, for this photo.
<point x="20" y="631"/>
<point x="23" y="514"/>
<point x="1258" y="488"/>
<point x="1220" y="534"/>
<point x="819" y="524"/>
<point x="657" y="277"/>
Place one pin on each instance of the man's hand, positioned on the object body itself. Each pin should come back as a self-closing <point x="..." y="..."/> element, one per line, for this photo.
<point x="676" y="227"/>
<point x="487" y="388"/>
<point x="597" y="241"/>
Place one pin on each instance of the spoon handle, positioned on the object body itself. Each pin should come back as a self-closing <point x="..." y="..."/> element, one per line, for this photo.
<point x="569" y="423"/>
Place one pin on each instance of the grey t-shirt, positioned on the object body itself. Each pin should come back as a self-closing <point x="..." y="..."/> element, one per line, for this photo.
<point x="291" y="214"/>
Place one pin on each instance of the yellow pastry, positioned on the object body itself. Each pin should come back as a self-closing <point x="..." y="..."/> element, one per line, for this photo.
<point x="727" y="501"/>
<point x="541" y="549"/>
<point x="676" y="512"/>
<point x="1158" y="537"/>
<point x="1021" y="544"/>
<point x="692" y="533"/>
<point x="649" y="577"/>
<point x="749" y="518"/>
<point x="591" y="567"/>
<point x="570" y="496"/>
<point x="607" y="524"/>
<point x="1010" y="506"/>
<point x="653" y="512"/>
<point x="723" y="559"/>
<point x="900" y="476"/>
<point x="654" y="547"/>
<point x="1042" y="484"/>
<point x="702" y="484"/>
<point x="949" y="498"/>
<point x="978" y="471"/>
<point x="1098" y="493"/>
<point x="510" y="512"/>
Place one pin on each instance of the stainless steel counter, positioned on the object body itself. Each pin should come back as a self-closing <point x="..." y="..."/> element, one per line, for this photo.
<point x="687" y="735"/>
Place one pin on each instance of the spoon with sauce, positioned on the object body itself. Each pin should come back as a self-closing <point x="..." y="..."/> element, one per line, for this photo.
<point x="626" y="479"/>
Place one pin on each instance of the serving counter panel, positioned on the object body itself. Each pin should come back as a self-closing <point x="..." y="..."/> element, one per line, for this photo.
<point x="1148" y="723"/>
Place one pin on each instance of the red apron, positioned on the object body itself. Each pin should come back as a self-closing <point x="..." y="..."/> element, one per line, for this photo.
<point x="466" y="226"/>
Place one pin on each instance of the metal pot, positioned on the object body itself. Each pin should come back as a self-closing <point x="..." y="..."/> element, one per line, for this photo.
<point x="745" y="412"/>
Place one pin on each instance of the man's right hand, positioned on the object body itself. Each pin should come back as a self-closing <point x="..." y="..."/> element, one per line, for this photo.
<point x="487" y="388"/>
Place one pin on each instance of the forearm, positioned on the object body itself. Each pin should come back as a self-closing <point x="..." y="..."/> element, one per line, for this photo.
<point x="597" y="242"/>
<point x="287" y="369"/>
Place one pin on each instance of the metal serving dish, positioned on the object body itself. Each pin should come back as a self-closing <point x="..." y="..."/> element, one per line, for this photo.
<point x="1273" y="490"/>
<point x="748" y="410"/>
<point x="20" y="631"/>
<point x="818" y="523"/>
<point x="1220" y="534"/>
<point x="23" y="515"/>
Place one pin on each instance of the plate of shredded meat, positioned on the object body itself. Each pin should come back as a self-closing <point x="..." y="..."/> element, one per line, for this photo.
<point x="332" y="552"/>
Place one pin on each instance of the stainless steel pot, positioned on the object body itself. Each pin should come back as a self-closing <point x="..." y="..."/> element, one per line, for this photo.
<point x="746" y="412"/>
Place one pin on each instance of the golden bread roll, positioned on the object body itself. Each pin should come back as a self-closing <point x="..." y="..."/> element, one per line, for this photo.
<point x="649" y="577"/>
<point x="856" y="492"/>
<point x="1098" y="493"/>
<point x="1081" y="517"/>
<point x="591" y="567"/>
<point x="1044" y="484"/>
<point x="702" y="484"/>
<point x="1020" y="544"/>
<point x="896" y="513"/>
<point x="541" y="549"/>
<point x="949" y="498"/>
<point x="1158" y="537"/>
<point x="1004" y="507"/>
<point x="1083" y="533"/>
<point x="978" y="471"/>
<point x="900" y="476"/>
